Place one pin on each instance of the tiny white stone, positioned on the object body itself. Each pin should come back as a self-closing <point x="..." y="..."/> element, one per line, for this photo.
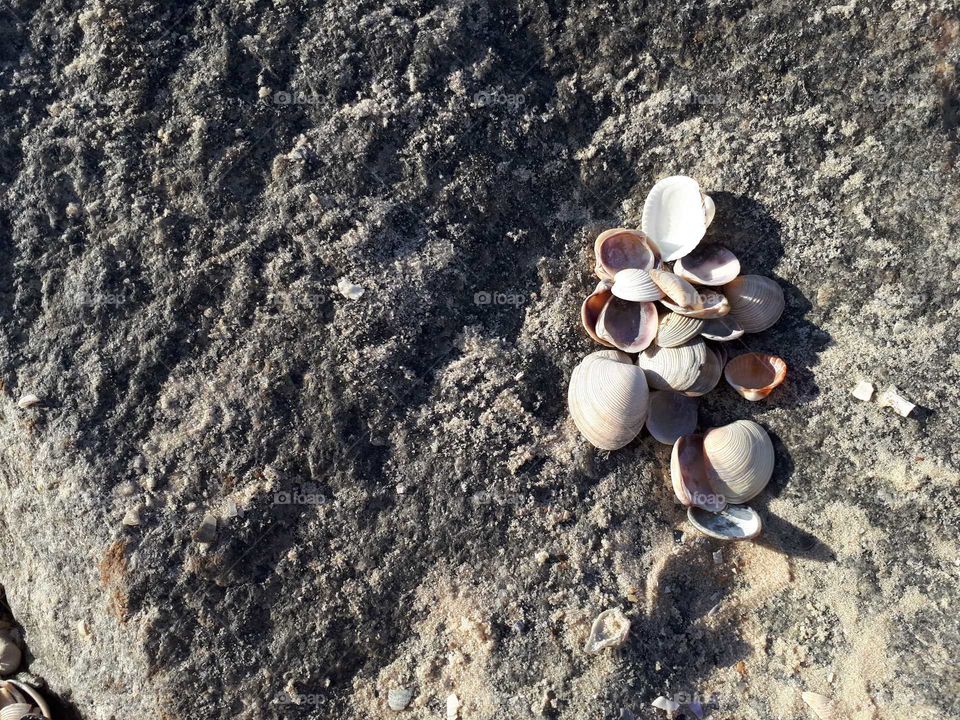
<point x="453" y="706"/>
<point x="662" y="703"/>
<point x="28" y="401"/>
<point x="132" y="517"/>
<point x="349" y="290"/>
<point x="863" y="391"/>
<point x="542" y="556"/>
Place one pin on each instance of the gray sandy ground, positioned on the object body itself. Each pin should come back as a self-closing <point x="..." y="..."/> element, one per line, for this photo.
<point x="183" y="185"/>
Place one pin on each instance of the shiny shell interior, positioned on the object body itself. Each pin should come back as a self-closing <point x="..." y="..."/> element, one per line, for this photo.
<point x="734" y="522"/>
<point x="723" y="329"/>
<point x="628" y="326"/>
<point x="619" y="249"/>
<point x="674" y="216"/>
<point x="754" y="375"/>
<point x="708" y="265"/>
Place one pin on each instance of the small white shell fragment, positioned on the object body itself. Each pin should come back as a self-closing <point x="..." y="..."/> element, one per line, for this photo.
<point x="349" y="290"/>
<point x="664" y="703"/>
<point x="399" y="698"/>
<point x="892" y="399"/>
<point x="453" y="706"/>
<point x="28" y="401"/>
<point x="863" y="391"/>
<point x="822" y="706"/>
<point x="609" y="629"/>
<point x="132" y="516"/>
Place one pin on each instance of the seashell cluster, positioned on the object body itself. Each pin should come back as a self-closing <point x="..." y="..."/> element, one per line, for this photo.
<point x="19" y="701"/>
<point x="677" y="320"/>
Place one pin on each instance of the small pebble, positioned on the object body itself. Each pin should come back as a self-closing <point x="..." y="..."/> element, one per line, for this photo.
<point x="349" y="290"/>
<point x="132" y="517"/>
<point x="28" y="401"/>
<point x="863" y="391"/>
<point x="207" y="532"/>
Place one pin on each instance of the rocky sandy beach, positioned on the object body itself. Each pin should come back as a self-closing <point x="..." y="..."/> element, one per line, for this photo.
<point x="249" y="490"/>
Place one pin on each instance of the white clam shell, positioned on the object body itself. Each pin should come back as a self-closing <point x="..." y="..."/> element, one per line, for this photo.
<point x="708" y="265"/>
<point x="619" y="248"/>
<point x="675" y="216"/>
<point x="734" y="522"/>
<point x="675" y="287"/>
<point x="738" y="459"/>
<point x="675" y="368"/>
<point x="635" y="285"/>
<point x="754" y="375"/>
<point x="671" y="415"/>
<point x="723" y="329"/>
<point x="756" y="302"/>
<point x="709" y="305"/>
<point x="608" y="399"/>
<point x="709" y="375"/>
<point x="676" y="329"/>
<point x="627" y="326"/>
<point x="36" y="697"/>
<point x="609" y="629"/>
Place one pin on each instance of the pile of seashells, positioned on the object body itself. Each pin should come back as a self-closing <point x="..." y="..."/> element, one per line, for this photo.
<point x="19" y="701"/>
<point x="681" y="355"/>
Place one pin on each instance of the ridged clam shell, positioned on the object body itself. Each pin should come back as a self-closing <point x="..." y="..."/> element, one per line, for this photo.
<point x="734" y="522"/>
<point x="688" y="474"/>
<point x="738" y="459"/>
<point x="674" y="216"/>
<point x="399" y="698"/>
<point x="709" y="305"/>
<point x="756" y="302"/>
<point x="709" y="376"/>
<point x="628" y="326"/>
<point x="675" y="287"/>
<point x="671" y="415"/>
<point x="675" y="368"/>
<point x="676" y="329"/>
<point x="722" y="329"/>
<point x="754" y="375"/>
<point x="635" y="285"/>
<point x="708" y="265"/>
<point x="16" y="711"/>
<point x="592" y="307"/>
<point x="608" y="399"/>
<point x="619" y="248"/>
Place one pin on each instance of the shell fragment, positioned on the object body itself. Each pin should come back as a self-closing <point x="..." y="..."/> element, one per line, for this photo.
<point x="892" y="399"/>
<point x="863" y="390"/>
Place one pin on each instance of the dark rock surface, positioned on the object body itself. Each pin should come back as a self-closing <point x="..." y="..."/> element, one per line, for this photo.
<point x="183" y="185"/>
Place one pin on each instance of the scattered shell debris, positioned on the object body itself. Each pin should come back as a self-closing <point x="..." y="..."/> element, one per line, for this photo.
<point x="399" y="698"/>
<point x="863" y="390"/>
<point x="609" y="629"/>
<point x="453" y="706"/>
<point x="823" y="707"/>
<point x="666" y="704"/>
<point x="892" y="398"/>
<point x="28" y="401"/>
<point x="681" y="354"/>
<point x="349" y="290"/>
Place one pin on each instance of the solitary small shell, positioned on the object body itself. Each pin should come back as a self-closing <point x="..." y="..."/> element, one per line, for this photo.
<point x="754" y="375"/>
<point x="671" y="415"/>
<point x="675" y="368"/>
<point x="708" y="265"/>
<point x="756" y="302"/>
<point x="592" y="307"/>
<point x="609" y="629"/>
<point x="619" y="249"/>
<point x="739" y="460"/>
<point x="608" y="399"/>
<point x="675" y="216"/>
<point x="734" y="522"/>
<point x="636" y="286"/>
<point x="399" y="698"/>
<point x="676" y="329"/>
